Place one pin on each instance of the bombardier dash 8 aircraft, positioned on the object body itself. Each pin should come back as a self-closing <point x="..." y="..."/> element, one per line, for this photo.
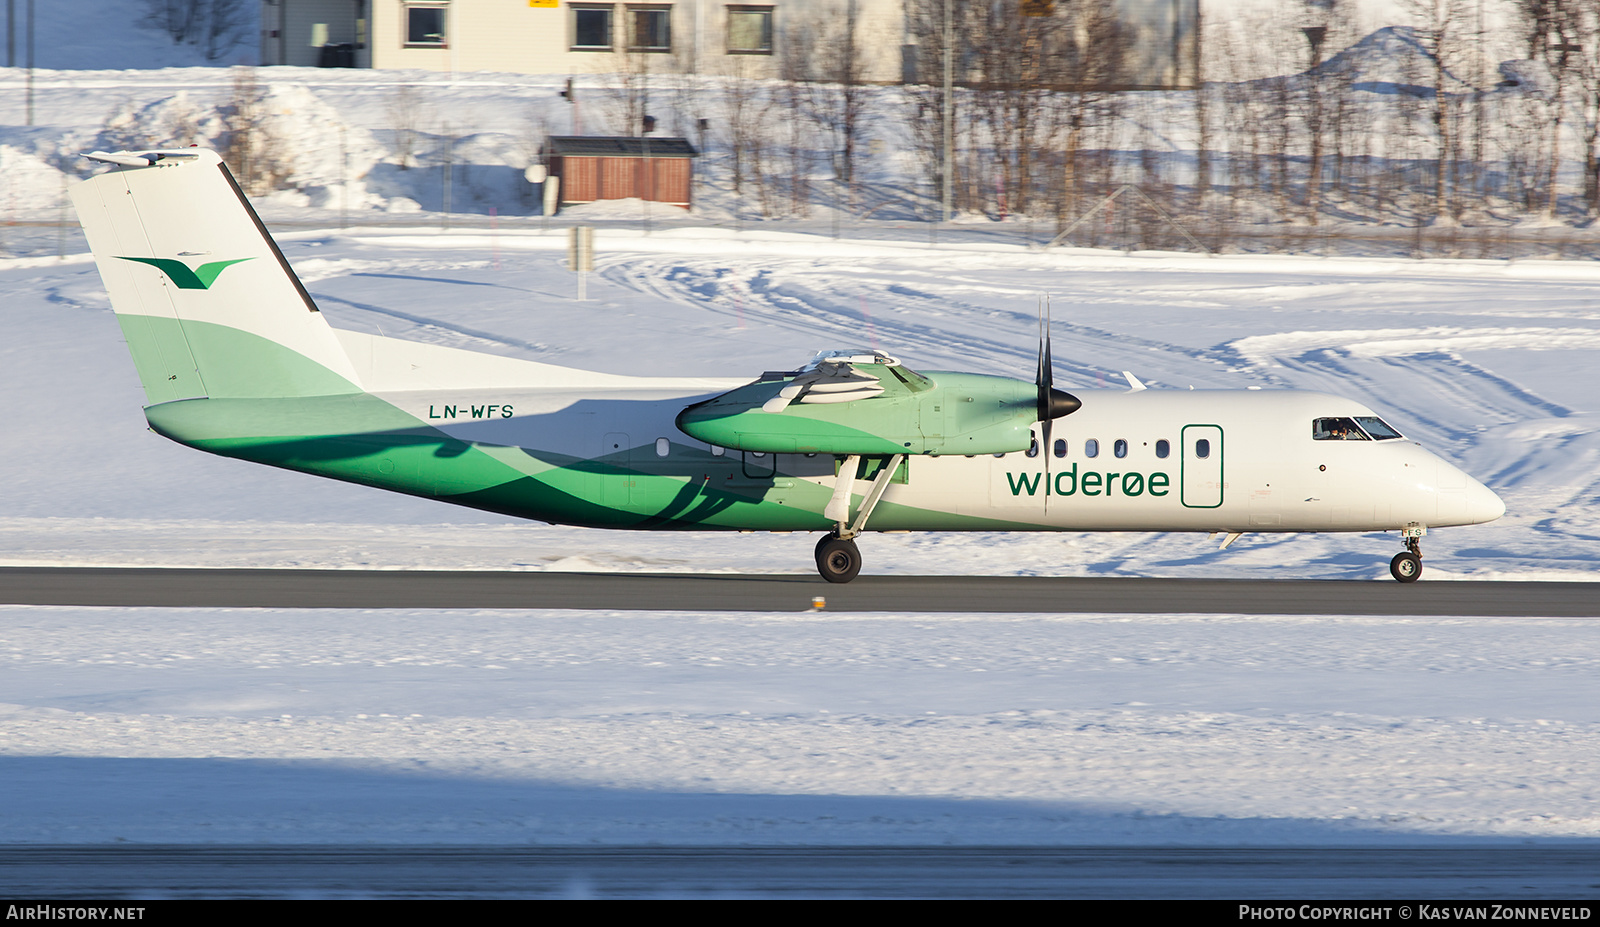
<point x="236" y="359"/>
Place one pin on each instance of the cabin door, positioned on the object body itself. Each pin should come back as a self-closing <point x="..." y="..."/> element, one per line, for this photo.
<point x="1202" y="482"/>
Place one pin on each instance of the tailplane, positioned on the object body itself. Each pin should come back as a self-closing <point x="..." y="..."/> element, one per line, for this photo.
<point x="206" y="300"/>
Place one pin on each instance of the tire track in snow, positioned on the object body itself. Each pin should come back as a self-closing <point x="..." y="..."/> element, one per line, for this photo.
<point x="783" y="293"/>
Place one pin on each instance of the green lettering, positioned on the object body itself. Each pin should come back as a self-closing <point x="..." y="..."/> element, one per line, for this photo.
<point x="1020" y="481"/>
<point x="1091" y="483"/>
<point x="1159" y="484"/>
<point x="430" y="411"/>
<point x="1071" y="476"/>
<point x="492" y="408"/>
<point x="449" y="411"/>
<point x="1111" y="482"/>
<point x="477" y="411"/>
<point x="505" y="411"/>
<point x="1132" y="484"/>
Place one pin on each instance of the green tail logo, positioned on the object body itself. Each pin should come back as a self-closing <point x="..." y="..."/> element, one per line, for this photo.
<point x="200" y="278"/>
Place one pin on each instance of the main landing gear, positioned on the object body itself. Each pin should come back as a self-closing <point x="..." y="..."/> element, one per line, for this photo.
<point x="838" y="558"/>
<point x="1407" y="565"/>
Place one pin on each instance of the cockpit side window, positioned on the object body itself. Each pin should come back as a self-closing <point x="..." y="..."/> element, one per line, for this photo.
<point x="1377" y="427"/>
<point x="1337" y="429"/>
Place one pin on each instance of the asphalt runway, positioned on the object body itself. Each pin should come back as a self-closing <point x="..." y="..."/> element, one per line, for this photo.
<point x="1395" y="876"/>
<point x="783" y="593"/>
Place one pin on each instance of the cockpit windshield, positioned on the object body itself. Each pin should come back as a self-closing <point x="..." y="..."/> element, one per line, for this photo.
<point x="1358" y="428"/>
<point x="1337" y="429"/>
<point x="1377" y="428"/>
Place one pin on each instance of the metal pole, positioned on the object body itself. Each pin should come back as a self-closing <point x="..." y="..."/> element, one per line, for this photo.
<point x="344" y="179"/>
<point x="949" y="105"/>
<point x="449" y="155"/>
<point x="61" y="215"/>
<point x="11" y="33"/>
<point x="30" y="62"/>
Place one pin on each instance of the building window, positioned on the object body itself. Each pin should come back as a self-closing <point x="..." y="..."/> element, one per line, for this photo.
<point x="749" y="30"/>
<point x="425" y="25"/>
<point x="591" y="27"/>
<point x="650" y="28"/>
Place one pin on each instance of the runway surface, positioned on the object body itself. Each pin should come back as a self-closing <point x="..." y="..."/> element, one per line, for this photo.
<point x="1395" y="875"/>
<point x="783" y="593"/>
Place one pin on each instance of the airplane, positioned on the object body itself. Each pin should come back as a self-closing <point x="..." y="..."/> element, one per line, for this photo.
<point x="236" y="359"/>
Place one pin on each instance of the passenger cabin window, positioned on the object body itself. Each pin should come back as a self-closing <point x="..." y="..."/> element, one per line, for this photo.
<point x="1163" y="448"/>
<point x="1337" y="429"/>
<point x="1091" y="447"/>
<point x="662" y="447"/>
<point x="1060" y="447"/>
<point x="1120" y="448"/>
<point x="1202" y="448"/>
<point x="1033" y="446"/>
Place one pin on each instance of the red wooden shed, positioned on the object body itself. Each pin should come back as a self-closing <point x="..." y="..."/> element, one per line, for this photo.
<point x="655" y="169"/>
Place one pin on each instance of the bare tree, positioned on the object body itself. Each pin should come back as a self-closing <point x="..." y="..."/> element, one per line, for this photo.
<point x="1565" y="37"/>
<point x="227" y="24"/>
<point x="249" y="147"/>
<point x="214" y="26"/>
<point x="407" y="112"/>
<point x="796" y="100"/>
<point x="841" y="98"/>
<point x="745" y="102"/>
<point x="1442" y="34"/>
<point x="625" y="90"/>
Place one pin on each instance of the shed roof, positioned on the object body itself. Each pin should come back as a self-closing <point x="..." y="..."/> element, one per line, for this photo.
<point x="583" y="146"/>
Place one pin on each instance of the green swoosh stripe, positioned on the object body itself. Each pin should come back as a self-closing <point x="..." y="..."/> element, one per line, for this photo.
<point x="180" y="274"/>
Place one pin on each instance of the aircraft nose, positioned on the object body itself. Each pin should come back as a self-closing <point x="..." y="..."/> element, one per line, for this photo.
<point x="1482" y="504"/>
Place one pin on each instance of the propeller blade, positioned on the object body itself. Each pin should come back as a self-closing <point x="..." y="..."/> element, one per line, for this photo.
<point x="1043" y="376"/>
<point x="1052" y="403"/>
<point x="1046" y="378"/>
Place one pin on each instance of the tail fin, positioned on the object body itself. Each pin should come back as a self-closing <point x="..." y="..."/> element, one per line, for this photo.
<point x="205" y="298"/>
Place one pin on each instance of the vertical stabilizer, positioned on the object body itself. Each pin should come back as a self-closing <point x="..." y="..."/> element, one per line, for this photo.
<point x="207" y="302"/>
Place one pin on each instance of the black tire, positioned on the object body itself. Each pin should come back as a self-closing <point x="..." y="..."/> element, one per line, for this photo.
<point x="1405" y="567"/>
<point x="838" y="559"/>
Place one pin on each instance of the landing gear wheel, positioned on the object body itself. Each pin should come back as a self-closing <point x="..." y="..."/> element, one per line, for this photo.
<point x="1406" y="566"/>
<point x="838" y="559"/>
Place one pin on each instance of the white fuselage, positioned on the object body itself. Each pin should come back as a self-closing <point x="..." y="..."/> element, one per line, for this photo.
<point x="1261" y="469"/>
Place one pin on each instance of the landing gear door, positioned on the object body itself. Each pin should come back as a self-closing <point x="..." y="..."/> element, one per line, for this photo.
<point x="1202" y="483"/>
<point x="759" y="465"/>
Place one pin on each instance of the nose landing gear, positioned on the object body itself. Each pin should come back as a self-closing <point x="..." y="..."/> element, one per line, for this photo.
<point x="1407" y="565"/>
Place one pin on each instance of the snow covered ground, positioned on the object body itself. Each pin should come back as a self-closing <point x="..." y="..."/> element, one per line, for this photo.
<point x="247" y="725"/>
<point x="552" y="727"/>
<point x="1488" y="363"/>
<point x="216" y="725"/>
